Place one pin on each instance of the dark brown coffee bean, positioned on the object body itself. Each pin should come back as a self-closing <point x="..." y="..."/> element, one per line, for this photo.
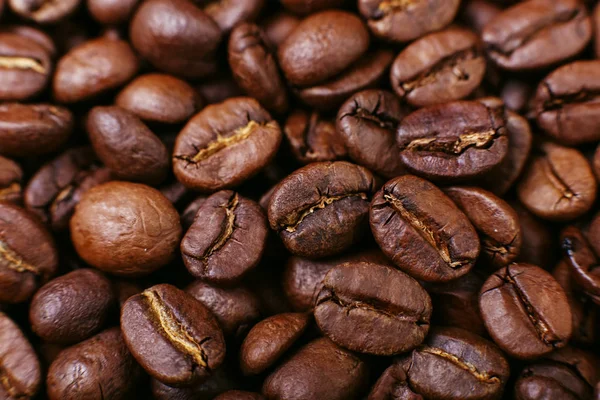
<point x="403" y="21"/>
<point x="516" y="94"/>
<point x="495" y="221"/>
<point x="219" y="382"/>
<point x="268" y="340"/>
<point x="239" y="395"/>
<point x="319" y="370"/>
<point x="596" y="25"/>
<point x="278" y="27"/>
<point x="172" y="335"/>
<point x="422" y="231"/>
<point x="558" y="184"/>
<point x="303" y="7"/>
<point x="72" y="307"/>
<point x="374" y="309"/>
<point x="225" y="144"/>
<point x="189" y="214"/>
<point x="437" y="68"/>
<point x="537" y="34"/>
<point x="583" y="263"/>
<point x="92" y="68"/>
<point x="229" y="14"/>
<point x="322" y="46"/>
<point x="456" y="140"/>
<point x="477" y="13"/>
<point x="28" y="257"/>
<point x="176" y="37"/>
<point x="126" y="146"/>
<point x="254" y="67"/>
<point x="160" y="98"/>
<point x="174" y="191"/>
<point x="124" y="290"/>
<point x="525" y="311"/>
<point x="100" y="367"/>
<point x="36" y="34"/>
<point x="227" y="238"/>
<point x="593" y="233"/>
<point x="11" y="176"/>
<point x="313" y="137"/>
<point x="111" y="12"/>
<point x="20" y="374"/>
<point x="139" y="230"/>
<point x="538" y="244"/>
<point x="367" y="123"/>
<point x="43" y="11"/>
<point x="321" y="210"/>
<point x="219" y="89"/>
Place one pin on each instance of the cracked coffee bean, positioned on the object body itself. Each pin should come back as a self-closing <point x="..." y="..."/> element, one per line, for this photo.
<point x="172" y="335"/>
<point x="11" y="181"/>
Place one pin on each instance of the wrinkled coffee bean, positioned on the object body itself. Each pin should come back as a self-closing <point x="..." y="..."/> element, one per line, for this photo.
<point x="11" y="179"/>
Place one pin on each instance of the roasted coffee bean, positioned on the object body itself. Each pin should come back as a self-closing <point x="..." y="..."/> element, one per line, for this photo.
<point x="583" y="263"/>
<point x="228" y="14"/>
<point x="319" y="370"/>
<point x="92" y="68"/>
<point x="440" y="67"/>
<point x="593" y="233"/>
<point x="111" y="12"/>
<point x="422" y="231"/>
<point x="538" y="244"/>
<point x="278" y="27"/>
<point x="236" y="308"/>
<point x="321" y="210"/>
<point x="515" y="94"/>
<point x="28" y="257"/>
<point x="72" y="307"/>
<point x="322" y="46"/>
<point x="226" y="239"/>
<point x="176" y="37"/>
<point x="225" y="144"/>
<point x="43" y="11"/>
<point x="558" y="184"/>
<point x="126" y="146"/>
<point x="139" y="230"/>
<point x="189" y="214"/>
<point x="172" y="335"/>
<point x="303" y="7"/>
<point x="367" y="123"/>
<point x="268" y="340"/>
<point x="537" y="34"/>
<point x="313" y="137"/>
<point x="566" y="103"/>
<point x="11" y="177"/>
<point x="525" y="311"/>
<point x="254" y="67"/>
<point x="35" y="34"/>
<point x="218" y="90"/>
<point x="403" y="21"/>
<point x="124" y="290"/>
<point x="477" y="13"/>
<point x="20" y="372"/>
<point x="495" y="221"/>
<point x="452" y="141"/>
<point x="372" y="308"/>
<point x="219" y="382"/>
<point x="596" y="25"/>
<point x="100" y="367"/>
<point x="452" y="364"/>
<point x="239" y="395"/>
<point x="160" y="98"/>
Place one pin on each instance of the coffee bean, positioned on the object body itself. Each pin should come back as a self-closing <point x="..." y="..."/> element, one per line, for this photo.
<point x="172" y="335"/>
<point x="100" y="367"/>
<point x="319" y="370"/>
<point x="37" y="35"/>
<point x="523" y="320"/>
<point x="582" y="262"/>
<point x="229" y="14"/>
<point x="225" y="144"/>
<point x="11" y="177"/>
<point x="189" y="214"/>
<point x="221" y="381"/>
<point x="321" y="209"/>
<point x="302" y="7"/>
<point x="593" y="233"/>
<point x="20" y="372"/>
<point x="218" y="90"/>
<point x="440" y="67"/>
<point x="278" y="27"/>
<point x="111" y="12"/>
<point x="28" y="257"/>
<point x="43" y="11"/>
<point x="596" y="24"/>
<point x="537" y="34"/>
<point x="92" y="68"/>
<point x="176" y="37"/>
<point x="374" y="309"/>
<point x="422" y="231"/>
<point x="239" y="395"/>
<point x="160" y="98"/>
<point x="124" y="290"/>
<point x="477" y="13"/>
<point x="268" y="340"/>
<point x="538" y="244"/>
<point x="558" y="184"/>
<point x="452" y="141"/>
<point x="140" y="228"/>
<point x="515" y="94"/>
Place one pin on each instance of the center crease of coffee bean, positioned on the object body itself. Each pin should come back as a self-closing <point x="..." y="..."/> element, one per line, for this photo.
<point x="11" y="390"/>
<point x="479" y="140"/>
<point x="11" y="189"/>
<point x="25" y="63"/>
<point x="375" y="116"/>
<point x="480" y="376"/>
<point x="559" y="184"/>
<point x="63" y="195"/>
<point x="558" y="101"/>
<point x="400" y="5"/>
<point x="14" y="261"/>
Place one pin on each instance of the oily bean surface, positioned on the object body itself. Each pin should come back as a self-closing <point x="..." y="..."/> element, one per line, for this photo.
<point x="582" y="262"/>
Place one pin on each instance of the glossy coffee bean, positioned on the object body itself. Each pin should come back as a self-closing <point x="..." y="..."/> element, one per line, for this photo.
<point x="401" y="21"/>
<point x="422" y="231"/>
<point x="302" y="7"/>
<point x="319" y="370"/>
<point x="539" y="245"/>
<point x="21" y="372"/>
<point x="452" y="141"/>
<point x="537" y="34"/>
<point x="523" y="320"/>
<point x="228" y="14"/>
<point x="126" y="146"/>
<point x="558" y="184"/>
<point x="239" y="395"/>
<point x="28" y="256"/>
<point x="140" y="228"/>
<point x="278" y="27"/>
<point x="440" y="67"/>
<point x="42" y="11"/>
<point x="11" y="180"/>
<point x="227" y="238"/>
<point x="582" y="262"/>
<point x="100" y="367"/>
<point x="516" y="94"/>
<point x="321" y="209"/>
<point x="225" y="144"/>
<point x="111" y="12"/>
<point x="222" y="380"/>
<point x="372" y="308"/>
<point x="477" y="13"/>
<point x="172" y="335"/>
<point x="72" y="307"/>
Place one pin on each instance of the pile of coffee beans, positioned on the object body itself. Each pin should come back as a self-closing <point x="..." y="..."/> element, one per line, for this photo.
<point x="299" y="199"/>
